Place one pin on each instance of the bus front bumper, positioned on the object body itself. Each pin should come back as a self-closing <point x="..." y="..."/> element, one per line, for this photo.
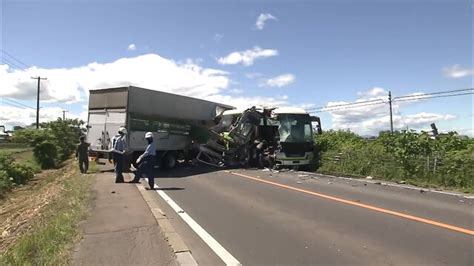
<point x="283" y="160"/>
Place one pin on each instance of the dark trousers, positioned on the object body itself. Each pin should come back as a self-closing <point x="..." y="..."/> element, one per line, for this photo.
<point x="83" y="165"/>
<point x="118" y="163"/>
<point x="147" y="168"/>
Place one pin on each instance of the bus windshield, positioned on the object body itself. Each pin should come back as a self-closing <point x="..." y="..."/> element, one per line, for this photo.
<point x="294" y="128"/>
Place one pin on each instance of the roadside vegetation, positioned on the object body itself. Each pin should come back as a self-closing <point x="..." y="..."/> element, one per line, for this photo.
<point x="32" y="150"/>
<point x="40" y="222"/>
<point x="43" y="197"/>
<point x="404" y="156"/>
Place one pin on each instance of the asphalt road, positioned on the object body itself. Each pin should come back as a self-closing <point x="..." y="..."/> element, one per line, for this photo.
<point x="291" y="218"/>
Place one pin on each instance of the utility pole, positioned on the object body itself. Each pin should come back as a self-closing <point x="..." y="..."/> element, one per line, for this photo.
<point x="390" y="104"/>
<point x="64" y="114"/>
<point x="38" y="99"/>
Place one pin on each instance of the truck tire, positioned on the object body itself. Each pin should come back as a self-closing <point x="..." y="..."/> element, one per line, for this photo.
<point x="169" y="160"/>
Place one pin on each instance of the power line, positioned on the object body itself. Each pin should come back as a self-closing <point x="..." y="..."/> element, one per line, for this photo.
<point x="18" y="103"/>
<point x="395" y="99"/>
<point x="12" y="65"/>
<point x="14" y="58"/>
<point x="432" y="93"/>
<point x="329" y="109"/>
<point x="14" y="105"/>
<point x="345" y="104"/>
<point x="431" y="97"/>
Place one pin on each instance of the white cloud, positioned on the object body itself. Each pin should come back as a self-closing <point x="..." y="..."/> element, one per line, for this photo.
<point x="14" y="116"/>
<point x="253" y="75"/>
<point x="149" y="71"/>
<point x="236" y="91"/>
<point x="262" y="18"/>
<point x="246" y="102"/>
<point x="279" y="81"/>
<point x="217" y="37"/>
<point x="372" y="117"/>
<point x="246" y="57"/>
<point x="131" y="47"/>
<point x="374" y="92"/>
<point x="456" y="71"/>
<point x="306" y="105"/>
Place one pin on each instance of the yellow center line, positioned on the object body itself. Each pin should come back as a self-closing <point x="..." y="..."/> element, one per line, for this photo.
<point x="365" y="206"/>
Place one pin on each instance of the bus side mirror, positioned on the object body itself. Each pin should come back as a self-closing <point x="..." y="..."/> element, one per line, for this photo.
<point x="317" y="120"/>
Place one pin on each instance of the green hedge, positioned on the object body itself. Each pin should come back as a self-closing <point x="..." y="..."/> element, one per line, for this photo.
<point x="410" y="156"/>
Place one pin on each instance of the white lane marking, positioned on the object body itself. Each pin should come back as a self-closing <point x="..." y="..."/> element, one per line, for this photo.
<point x="205" y="236"/>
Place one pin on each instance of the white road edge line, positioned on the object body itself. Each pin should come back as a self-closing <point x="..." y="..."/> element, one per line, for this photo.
<point x="220" y="251"/>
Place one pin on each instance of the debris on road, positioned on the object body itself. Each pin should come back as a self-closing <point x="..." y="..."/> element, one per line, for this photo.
<point x="369" y="177"/>
<point x="401" y="182"/>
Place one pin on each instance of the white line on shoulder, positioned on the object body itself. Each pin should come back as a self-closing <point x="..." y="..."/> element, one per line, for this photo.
<point x="203" y="234"/>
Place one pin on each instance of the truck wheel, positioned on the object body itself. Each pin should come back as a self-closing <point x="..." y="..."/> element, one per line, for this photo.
<point x="169" y="161"/>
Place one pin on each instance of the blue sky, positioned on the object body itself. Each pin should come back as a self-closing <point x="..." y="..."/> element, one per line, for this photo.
<point x="333" y="50"/>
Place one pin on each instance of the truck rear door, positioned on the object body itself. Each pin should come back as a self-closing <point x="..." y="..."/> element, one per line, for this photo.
<point x="103" y="125"/>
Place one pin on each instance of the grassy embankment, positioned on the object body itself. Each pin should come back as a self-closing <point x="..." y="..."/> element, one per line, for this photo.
<point x="40" y="219"/>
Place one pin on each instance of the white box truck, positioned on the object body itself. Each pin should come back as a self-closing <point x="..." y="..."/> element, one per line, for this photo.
<point x="176" y="121"/>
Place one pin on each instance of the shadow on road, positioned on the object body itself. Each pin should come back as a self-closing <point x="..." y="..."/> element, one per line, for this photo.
<point x="185" y="170"/>
<point x="180" y="171"/>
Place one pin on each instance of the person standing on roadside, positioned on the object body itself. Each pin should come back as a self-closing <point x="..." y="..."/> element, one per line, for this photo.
<point x="119" y="147"/>
<point x="81" y="155"/>
<point x="146" y="162"/>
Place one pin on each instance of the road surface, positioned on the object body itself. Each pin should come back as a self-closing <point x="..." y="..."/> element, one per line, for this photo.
<point x="293" y="218"/>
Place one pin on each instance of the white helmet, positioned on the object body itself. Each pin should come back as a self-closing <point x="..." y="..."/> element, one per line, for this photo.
<point x="122" y="130"/>
<point x="148" y="135"/>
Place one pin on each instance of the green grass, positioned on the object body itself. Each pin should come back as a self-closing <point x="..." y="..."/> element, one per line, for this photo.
<point x="9" y="145"/>
<point x="53" y="237"/>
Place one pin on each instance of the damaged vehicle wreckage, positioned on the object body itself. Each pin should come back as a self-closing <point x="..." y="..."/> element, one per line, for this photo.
<point x="261" y="137"/>
<point x="187" y="128"/>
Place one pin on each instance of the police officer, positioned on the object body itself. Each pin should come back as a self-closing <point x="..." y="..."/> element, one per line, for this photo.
<point x="119" y="147"/>
<point x="146" y="162"/>
<point x="81" y="154"/>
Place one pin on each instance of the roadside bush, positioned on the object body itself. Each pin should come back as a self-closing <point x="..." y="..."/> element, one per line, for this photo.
<point x="65" y="136"/>
<point x="54" y="142"/>
<point x="13" y="172"/>
<point x="5" y="160"/>
<point x="5" y="183"/>
<point x="414" y="157"/>
<point x="457" y="169"/>
<point x="46" y="154"/>
<point x="20" y="173"/>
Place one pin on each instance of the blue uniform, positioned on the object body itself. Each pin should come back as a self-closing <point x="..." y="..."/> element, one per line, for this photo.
<point x="147" y="165"/>
<point x="120" y="144"/>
